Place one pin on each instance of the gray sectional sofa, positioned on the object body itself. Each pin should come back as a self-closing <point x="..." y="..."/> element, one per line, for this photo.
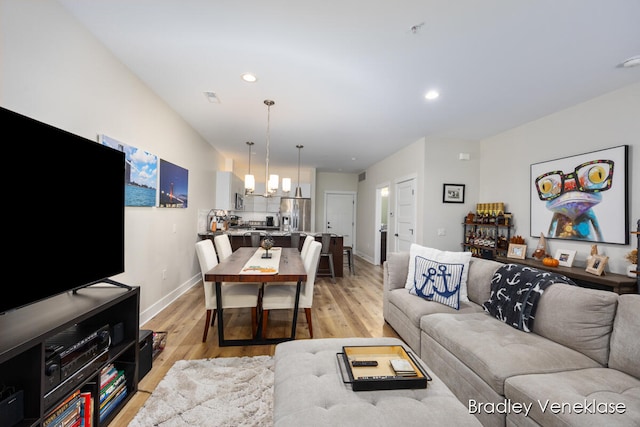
<point x="579" y="366"/>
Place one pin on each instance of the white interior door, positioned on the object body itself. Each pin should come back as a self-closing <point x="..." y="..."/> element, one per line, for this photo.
<point x="340" y="215"/>
<point x="405" y="214"/>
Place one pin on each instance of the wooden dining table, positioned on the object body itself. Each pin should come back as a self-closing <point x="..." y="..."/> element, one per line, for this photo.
<point x="290" y="270"/>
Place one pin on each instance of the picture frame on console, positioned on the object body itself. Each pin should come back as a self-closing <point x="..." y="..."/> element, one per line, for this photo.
<point x="452" y="193"/>
<point x="596" y="264"/>
<point x="517" y="251"/>
<point x="565" y="257"/>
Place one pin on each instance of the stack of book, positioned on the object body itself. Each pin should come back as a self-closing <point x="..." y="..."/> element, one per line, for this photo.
<point x="403" y="368"/>
<point x="67" y="413"/>
<point x="113" y="388"/>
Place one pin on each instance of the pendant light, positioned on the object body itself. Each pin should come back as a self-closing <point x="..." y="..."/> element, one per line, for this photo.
<point x="249" y="180"/>
<point x="271" y="181"/>
<point x="298" y="189"/>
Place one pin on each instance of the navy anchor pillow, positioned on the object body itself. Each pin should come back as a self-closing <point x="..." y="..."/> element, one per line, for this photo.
<point x="438" y="281"/>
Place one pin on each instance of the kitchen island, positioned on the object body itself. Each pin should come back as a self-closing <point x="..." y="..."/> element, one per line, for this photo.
<point x="241" y="238"/>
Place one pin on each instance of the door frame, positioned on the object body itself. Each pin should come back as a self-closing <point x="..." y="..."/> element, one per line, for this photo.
<point x="354" y="216"/>
<point x="377" y="247"/>
<point x="396" y="182"/>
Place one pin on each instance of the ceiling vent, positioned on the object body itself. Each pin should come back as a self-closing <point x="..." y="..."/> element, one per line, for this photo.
<point x="362" y="176"/>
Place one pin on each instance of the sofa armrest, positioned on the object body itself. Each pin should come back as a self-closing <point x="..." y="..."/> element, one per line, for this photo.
<point x="396" y="268"/>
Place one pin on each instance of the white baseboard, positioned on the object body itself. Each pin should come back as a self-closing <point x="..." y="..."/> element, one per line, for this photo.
<point x="156" y="308"/>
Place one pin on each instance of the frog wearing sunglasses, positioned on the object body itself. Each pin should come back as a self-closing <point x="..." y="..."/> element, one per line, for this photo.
<point x="571" y="197"/>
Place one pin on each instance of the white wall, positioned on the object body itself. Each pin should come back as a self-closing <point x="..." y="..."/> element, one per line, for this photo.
<point x="405" y="163"/>
<point x="604" y="122"/>
<point x="54" y="71"/>
<point x="498" y="171"/>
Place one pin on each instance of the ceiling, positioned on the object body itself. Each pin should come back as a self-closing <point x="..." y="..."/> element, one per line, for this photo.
<point x="349" y="77"/>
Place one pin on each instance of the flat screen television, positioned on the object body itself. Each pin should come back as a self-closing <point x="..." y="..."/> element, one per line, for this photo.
<point x="63" y="209"/>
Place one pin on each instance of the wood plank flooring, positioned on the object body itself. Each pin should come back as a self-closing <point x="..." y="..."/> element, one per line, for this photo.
<point x="351" y="307"/>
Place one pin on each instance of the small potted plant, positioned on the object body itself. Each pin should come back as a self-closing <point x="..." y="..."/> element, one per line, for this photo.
<point x="632" y="257"/>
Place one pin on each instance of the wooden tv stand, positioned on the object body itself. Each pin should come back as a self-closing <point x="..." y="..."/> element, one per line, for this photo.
<point x="23" y="333"/>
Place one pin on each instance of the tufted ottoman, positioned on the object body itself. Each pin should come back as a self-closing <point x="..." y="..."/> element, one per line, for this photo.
<point x="309" y="391"/>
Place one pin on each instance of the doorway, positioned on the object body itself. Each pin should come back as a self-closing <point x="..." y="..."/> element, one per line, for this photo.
<point x="405" y="224"/>
<point x="381" y="224"/>
<point x="339" y="213"/>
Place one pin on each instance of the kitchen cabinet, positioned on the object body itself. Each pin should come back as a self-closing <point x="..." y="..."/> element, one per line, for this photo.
<point x="227" y="185"/>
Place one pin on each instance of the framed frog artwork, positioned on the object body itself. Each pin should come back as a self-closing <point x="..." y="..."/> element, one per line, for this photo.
<point x="582" y="197"/>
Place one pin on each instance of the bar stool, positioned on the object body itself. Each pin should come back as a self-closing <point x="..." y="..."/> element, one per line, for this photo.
<point x="325" y="252"/>
<point x="348" y="251"/>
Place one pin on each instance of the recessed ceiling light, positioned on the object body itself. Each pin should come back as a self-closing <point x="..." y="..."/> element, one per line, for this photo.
<point x="432" y="94"/>
<point x="249" y="78"/>
<point x="634" y="61"/>
<point x="212" y="97"/>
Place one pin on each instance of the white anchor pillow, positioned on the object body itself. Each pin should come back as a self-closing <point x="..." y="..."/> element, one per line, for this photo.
<point x="438" y="275"/>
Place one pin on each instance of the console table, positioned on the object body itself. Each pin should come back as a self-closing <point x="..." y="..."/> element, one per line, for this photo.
<point x="617" y="283"/>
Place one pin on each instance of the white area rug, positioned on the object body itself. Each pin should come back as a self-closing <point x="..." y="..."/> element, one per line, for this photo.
<point x="227" y="391"/>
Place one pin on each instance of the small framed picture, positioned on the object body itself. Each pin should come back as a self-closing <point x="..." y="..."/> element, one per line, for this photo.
<point x="517" y="251"/>
<point x="565" y="257"/>
<point x="453" y="193"/>
<point x="595" y="264"/>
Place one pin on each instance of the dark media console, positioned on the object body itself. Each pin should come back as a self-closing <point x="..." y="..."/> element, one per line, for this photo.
<point x="54" y="347"/>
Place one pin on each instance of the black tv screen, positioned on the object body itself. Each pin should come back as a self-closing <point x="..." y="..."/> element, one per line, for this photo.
<point x="63" y="209"/>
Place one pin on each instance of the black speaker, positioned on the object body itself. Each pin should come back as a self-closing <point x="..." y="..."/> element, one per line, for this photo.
<point x="12" y="409"/>
<point x="117" y="333"/>
<point x="146" y="353"/>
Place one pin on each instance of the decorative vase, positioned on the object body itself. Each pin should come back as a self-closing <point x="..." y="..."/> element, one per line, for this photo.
<point x="266" y="244"/>
<point x="631" y="269"/>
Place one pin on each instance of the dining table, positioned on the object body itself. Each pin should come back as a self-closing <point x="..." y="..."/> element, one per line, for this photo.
<point x="246" y="264"/>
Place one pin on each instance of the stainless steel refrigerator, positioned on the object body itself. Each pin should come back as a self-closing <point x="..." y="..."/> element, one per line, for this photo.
<point x="295" y="214"/>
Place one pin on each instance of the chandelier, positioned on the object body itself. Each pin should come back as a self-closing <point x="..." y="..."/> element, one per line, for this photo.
<point x="271" y="180"/>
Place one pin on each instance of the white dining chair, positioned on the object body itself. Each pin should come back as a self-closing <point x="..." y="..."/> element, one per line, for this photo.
<point x="282" y="296"/>
<point x="306" y="245"/>
<point x="223" y="246"/>
<point x="234" y="295"/>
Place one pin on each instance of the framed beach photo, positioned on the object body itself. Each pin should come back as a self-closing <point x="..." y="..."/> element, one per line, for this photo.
<point x="453" y="193"/>
<point x="565" y="257"/>
<point x="517" y="251"/>
<point x="595" y="264"/>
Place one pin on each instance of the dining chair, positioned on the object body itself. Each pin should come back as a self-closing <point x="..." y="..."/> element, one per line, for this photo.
<point x="326" y="253"/>
<point x="234" y="295"/>
<point x="281" y="296"/>
<point x="295" y="239"/>
<point x="348" y="251"/>
<point x="255" y="237"/>
<point x="223" y="246"/>
<point x="305" y="246"/>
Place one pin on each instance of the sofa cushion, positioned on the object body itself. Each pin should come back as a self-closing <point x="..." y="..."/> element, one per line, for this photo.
<point x="515" y="292"/>
<point x="495" y="351"/>
<point x="625" y="338"/>
<point x="579" y="318"/>
<point x="397" y="264"/>
<point x="481" y="272"/>
<point x="438" y="281"/>
<point x="602" y="392"/>
<point x="441" y="257"/>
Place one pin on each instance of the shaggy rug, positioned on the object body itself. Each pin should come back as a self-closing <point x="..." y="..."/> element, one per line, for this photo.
<point x="227" y="391"/>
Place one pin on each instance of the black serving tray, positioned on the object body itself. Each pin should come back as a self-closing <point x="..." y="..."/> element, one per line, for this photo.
<point x="382" y="376"/>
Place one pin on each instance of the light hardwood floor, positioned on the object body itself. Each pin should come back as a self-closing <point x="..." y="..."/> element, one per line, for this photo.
<point x="351" y="307"/>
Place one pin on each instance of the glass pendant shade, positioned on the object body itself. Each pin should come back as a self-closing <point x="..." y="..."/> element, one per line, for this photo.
<point x="272" y="187"/>
<point x="286" y="185"/>
<point x="249" y="183"/>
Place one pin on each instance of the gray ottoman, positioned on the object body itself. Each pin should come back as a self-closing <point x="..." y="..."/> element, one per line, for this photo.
<point x="309" y="391"/>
